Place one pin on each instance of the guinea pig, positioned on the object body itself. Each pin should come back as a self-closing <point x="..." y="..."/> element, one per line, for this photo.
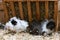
<point x="35" y="28"/>
<point x="48" y="27"/>
<point x="17" y="25"/>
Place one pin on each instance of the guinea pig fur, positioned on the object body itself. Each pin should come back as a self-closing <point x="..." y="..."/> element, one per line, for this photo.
<point x="48" y="27"/>
<point x="16" y="24"/>
<point x="51" y="25"/>
<point x="2" y="26"/>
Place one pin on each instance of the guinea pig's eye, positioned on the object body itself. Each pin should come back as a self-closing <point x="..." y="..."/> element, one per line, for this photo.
<point x="37" y="31"/>
<point x="30" y="31"/>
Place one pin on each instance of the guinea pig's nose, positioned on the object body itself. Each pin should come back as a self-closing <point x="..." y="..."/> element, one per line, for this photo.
<point x="43" y="33"/>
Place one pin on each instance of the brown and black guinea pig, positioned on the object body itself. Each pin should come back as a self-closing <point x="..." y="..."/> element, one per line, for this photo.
<point x="35" y="28"/>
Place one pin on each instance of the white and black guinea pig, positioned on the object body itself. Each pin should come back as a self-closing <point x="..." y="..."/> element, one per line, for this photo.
<point x="34" y="28"/>
<point x="51" y="25"/>
<point x="17" y="25"/>
<point x="48" y="27"/>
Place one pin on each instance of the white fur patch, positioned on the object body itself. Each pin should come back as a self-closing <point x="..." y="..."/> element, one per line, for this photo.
<point x="20" y="26"/>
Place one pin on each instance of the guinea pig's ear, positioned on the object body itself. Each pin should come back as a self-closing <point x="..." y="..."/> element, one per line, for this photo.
<point x="53" y="22"/>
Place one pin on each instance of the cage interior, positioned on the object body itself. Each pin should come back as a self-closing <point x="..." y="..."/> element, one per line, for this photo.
<point x="33" y="10"/>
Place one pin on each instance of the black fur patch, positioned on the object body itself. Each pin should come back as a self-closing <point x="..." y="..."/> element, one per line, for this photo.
<point x="35" y="28"/>
<point x="51" y="25"/>
<point x="2" y="26"/>
<point x="14" y="22"/>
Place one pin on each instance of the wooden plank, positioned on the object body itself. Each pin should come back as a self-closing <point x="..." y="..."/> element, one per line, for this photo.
<point x="10" y="0"/>
<point x="29" y="0"/>
<point x="21" y="10"/>
<point x="46" y="9"/>
<point x="37" y="11"/>
<point x="0" y="1"/>
<point x="44" y="0"/>
<point x="12" y="8"/>
<point x="1" y="6"/>
<point x="6" y="17"/>
<point x="15" y="0"/>
<point x="55" y="13"/>
<point x="29" y="11"/>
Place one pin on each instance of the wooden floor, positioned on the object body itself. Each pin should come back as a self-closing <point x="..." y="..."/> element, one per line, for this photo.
<point x="27" y="36"/>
